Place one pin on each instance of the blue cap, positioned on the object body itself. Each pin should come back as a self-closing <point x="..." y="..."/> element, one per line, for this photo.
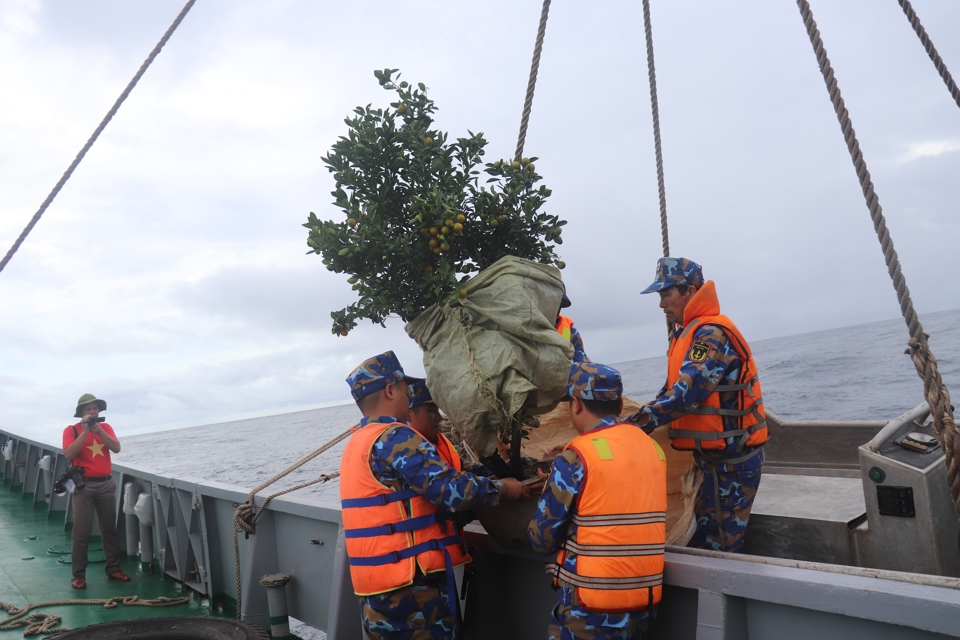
<point x="594" y="381"/>
<point x="565" y="302"/>
<point x="418" y="392"/>
<point x="676" y="271"/>
<point x="374" y="374"/>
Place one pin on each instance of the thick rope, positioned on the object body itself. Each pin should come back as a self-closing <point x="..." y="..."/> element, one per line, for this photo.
<point x="935" y="392"/>
<point x="96" y="134"/>
<point x="931" y="50"/>
<point x="657" y="147"/>
<point x="47" y="623"/>
<point x="655" y="109"/>
<point x="246" y="515"/>
<point x="532" y="82"/>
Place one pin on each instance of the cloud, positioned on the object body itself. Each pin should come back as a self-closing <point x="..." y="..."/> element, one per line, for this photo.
<point x="929" y="149"/>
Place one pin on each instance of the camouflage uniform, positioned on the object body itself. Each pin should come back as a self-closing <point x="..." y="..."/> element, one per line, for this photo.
<point x="552" y="523"/>
<point x="401" y="458"/>
<point x="735" y="483"/>
<point x="579" y="355"/>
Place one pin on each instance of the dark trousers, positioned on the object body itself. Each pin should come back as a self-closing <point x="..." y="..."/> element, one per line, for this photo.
<point x="96" y="497"/>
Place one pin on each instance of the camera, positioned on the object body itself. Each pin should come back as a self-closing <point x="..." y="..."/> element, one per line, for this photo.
<point x="72" y="476"/>
<point x="91" y="419"/>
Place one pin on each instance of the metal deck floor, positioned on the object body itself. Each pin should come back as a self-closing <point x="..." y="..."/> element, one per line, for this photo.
<point x="30" y="575"/>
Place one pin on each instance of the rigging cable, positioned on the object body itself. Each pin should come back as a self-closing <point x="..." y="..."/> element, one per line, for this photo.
<point x="934" y="390"/>
<point x="658" y="150"/>
<point x="931" y="50"/>
<point x="93" y="138"/>
<point x="532" y="82"/>
<point x="655" y="108"/>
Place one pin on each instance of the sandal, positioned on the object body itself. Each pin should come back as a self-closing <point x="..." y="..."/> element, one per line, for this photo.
<point x="118" y="576"/>
<point x="78" y="583"/>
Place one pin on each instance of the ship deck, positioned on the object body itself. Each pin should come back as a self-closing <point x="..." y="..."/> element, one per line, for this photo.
<point x="29" y="574"/>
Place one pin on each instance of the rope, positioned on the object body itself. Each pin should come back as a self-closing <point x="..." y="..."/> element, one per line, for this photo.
<point x="96" y="134"/>
<point x="655" y="108"/>
<point x="931" y="50"/>
<point x="658" y="151"/>
<point x="935" y="392"/>
<point x="532" y="82"/>
<point x="45" y="623"/>
<point x="246" y="515"/>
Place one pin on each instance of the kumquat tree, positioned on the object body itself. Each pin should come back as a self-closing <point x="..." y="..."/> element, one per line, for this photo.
<point x="416" y="221"/>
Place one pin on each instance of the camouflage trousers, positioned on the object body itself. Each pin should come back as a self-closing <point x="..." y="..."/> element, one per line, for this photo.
<point x="569" y="621"/>
<point x="416" y="612"/>
<point x="735" y="492"/>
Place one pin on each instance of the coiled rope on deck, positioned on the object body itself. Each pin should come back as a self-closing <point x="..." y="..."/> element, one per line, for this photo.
<point x="96" y="134"/>
<point x="246" y="515"/>
<point x="39" y="623"/>
<point x="938" y="63"/>
<point x="935" y="391"/>
<point x="532" y="82"/>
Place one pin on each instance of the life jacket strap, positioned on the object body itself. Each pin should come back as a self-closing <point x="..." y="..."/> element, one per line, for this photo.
<point x="617" y="584"/>
<point x="380" y="500"/>
<point x="716" y="435"/>
<point x="411" y="524"/>
<point x="438" y="544"/>
<point x="737" y="387"/>
<point x="743" y="458"/>
<point x="618" y="519"/>
<point x="611" y="550"/>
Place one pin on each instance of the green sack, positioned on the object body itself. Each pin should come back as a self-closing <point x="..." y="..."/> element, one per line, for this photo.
<point x="497" y="350"/>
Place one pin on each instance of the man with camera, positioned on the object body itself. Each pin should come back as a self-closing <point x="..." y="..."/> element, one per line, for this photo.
<point x="87" y="445"/>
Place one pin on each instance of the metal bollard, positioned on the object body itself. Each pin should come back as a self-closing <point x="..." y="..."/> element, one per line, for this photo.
<point x="277" y="604"/>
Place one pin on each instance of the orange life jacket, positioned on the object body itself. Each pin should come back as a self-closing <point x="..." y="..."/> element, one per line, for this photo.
<point x="621" y="521"/>
<point x="389" y="533"/>
<point x="564" y="326"/>
<point x="449" y="453"/>
<point x="702" y="428"/>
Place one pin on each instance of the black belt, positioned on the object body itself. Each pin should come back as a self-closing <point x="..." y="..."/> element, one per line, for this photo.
<point x="98" y="479"/>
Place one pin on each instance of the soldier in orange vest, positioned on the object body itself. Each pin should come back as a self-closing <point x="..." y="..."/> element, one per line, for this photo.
<point x="712" y="402"/>
<point x="603" y="512"/>
<point x="425" y="418"/>
<point x="397" y="496"/>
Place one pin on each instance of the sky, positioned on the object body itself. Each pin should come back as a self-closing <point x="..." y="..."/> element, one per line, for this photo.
<point x="170" y="276"/>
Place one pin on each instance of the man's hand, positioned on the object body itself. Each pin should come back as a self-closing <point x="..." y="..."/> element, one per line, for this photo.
<point x="91" y="424"/>
<point x="514" y="490"/>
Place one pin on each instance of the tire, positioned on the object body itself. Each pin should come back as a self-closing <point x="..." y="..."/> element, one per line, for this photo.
<point x="172" y="628"/>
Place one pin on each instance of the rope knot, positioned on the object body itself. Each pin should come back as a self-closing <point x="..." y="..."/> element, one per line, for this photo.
<point x="245" y="516"/>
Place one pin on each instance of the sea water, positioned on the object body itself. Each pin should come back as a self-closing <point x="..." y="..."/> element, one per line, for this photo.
<point x="852" y="373"/>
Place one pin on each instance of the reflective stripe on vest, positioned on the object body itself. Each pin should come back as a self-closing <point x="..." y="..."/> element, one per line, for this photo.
<point x="564" y="327"/>
<point x="703" y="427"/>
<point x="390" y="533"/>
<point x="620" y="535"/>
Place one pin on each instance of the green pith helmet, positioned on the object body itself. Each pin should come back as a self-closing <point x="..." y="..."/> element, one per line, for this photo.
<point x="88" y="398"/>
